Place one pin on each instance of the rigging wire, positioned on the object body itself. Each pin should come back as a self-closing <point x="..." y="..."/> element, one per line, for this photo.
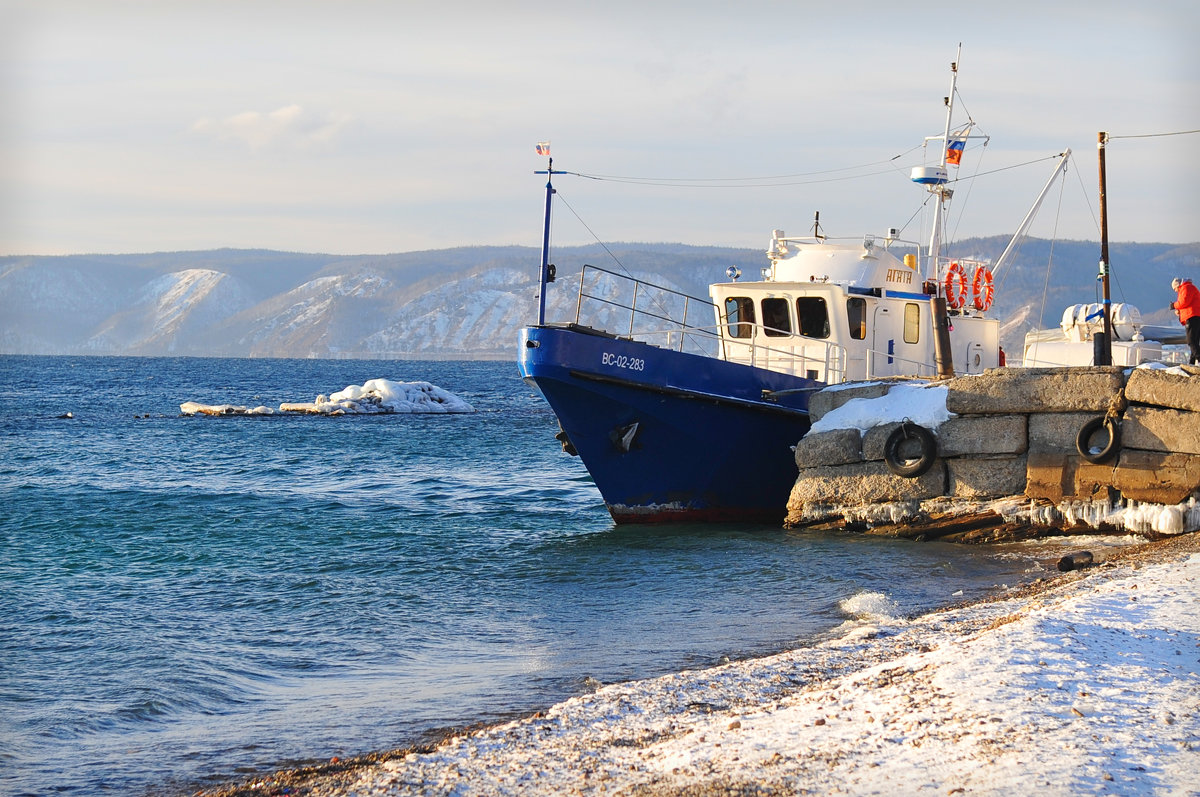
<point x="1156" y="135"/>
<point x="749" y="182"/>
<point x="1050" y="260"/>
<point x="654" y="298"/>
<point x="766" y="181"/>
<point x="970" y="185"/>
<point x="1087" y="197"/>
<point x="604" y="246"/>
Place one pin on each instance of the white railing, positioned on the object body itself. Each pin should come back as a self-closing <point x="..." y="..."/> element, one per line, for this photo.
<point x="662" y="317"/>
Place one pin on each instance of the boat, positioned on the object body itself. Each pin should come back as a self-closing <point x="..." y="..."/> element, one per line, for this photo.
<point x="685" y="408"/>
<point x="1079" y="338"/>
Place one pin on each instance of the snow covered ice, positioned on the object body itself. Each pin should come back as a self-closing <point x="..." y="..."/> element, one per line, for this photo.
<point x="373" y="396"/>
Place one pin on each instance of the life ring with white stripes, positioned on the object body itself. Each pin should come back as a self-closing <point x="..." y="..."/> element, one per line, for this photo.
<point x="955" y="286"/>
<point x="983" y="289"/>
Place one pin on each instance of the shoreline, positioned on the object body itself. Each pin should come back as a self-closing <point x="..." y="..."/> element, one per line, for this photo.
<point x="950" y="701"/>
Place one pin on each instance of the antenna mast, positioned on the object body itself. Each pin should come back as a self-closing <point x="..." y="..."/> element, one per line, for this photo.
<point x="943" y="193"/>
<point x="547" y="272"/>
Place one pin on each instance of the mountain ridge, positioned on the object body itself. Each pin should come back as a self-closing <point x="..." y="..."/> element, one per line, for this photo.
<point x="455" y="303"/>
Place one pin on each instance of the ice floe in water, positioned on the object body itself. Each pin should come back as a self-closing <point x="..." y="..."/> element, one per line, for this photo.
<point x="374" y="396"/>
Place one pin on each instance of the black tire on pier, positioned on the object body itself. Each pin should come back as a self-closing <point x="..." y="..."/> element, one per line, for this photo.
<point x="1083" y="440"/>
<point x="910" y="450"/>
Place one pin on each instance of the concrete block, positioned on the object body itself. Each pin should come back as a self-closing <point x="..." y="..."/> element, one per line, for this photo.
<point x="1157" y="477"/>
<point x="1092" y="480"/>
<point x="1162" y="388"/>
<point x="1154" y="429"/>
<point x="1050" y="475"/>
<point x="986" y="477"/>
<point x="835" y="447"/>
<point x="875" y="438"/>
<point x="1030" y="390"/>
<point x="982" y="434"/>
<point x="1052" y="432"/>
<point x="824" y="401"/>
<point x="863" y="483"/>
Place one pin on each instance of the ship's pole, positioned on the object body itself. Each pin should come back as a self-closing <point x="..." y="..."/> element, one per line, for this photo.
<point x="1103" y="349"/>
<point x="939" y="210"/>
<point x="544" y="278"/>
<point x="943" y="354"/>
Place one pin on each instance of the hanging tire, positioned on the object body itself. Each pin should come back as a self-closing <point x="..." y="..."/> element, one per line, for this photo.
<point x="1083" y="440"/>
<point x="898" y="451"/>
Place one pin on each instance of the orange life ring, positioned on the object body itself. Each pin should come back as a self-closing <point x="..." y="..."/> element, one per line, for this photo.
<point x="955" y="285"/>
<point x="982" y="288"/>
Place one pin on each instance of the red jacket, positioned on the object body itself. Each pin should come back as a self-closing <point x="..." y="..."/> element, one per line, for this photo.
<point x="1188" y="303"/>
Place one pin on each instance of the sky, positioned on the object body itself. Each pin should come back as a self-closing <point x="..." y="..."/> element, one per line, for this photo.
<point x="373" y="127"/>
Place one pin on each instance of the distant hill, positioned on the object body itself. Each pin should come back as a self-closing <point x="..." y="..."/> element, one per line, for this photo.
<point x="465" y="302"/>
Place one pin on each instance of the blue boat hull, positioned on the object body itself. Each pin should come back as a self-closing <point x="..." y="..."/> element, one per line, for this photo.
<point x="668" y="435"/>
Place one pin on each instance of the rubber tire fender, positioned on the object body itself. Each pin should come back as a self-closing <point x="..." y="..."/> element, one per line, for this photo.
<point x="1084" y="437"/>
<point x="910" y="468"/>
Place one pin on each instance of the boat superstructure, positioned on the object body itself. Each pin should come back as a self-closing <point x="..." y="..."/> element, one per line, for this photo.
<point x="838" y="311"/>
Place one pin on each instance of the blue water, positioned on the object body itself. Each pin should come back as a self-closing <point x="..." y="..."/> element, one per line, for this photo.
<point x="189" y="601"/>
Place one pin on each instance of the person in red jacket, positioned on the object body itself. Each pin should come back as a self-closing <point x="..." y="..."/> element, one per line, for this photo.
<point x="1187" y="307"/>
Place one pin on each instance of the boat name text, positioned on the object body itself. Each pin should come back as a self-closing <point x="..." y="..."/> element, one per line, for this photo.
<point x="899" y="275"/>
<point x="621" y="361"/>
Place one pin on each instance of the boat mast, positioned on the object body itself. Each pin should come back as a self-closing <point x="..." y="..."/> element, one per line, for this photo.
<point x="943" y="193"/>
<point x="545" y="273"/>
<point x="1103" y="348"/>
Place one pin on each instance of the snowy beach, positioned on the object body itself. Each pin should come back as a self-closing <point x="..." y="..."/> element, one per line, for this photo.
<point x="1084" y="683"/>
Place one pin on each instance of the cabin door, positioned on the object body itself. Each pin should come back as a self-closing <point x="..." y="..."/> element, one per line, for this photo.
<point x="880" y="359"/>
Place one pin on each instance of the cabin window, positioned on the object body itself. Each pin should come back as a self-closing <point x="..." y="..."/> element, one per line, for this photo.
<point x="775" y="317"/>
<point x="856" y="312"/>
<point x="739" y="315"/>
<point x="813" y="316"/>
<point x="912" y="323"/>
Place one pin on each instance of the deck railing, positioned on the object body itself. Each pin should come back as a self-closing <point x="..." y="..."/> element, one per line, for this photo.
<point x="665" y="317"/>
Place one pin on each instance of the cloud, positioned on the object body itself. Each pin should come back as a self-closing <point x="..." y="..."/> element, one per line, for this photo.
<point x="290" y="126"/>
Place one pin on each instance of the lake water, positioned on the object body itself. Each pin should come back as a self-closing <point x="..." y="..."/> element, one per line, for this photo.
<point x="192" y="600"/>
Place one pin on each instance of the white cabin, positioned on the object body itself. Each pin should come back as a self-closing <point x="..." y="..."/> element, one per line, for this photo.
<point x="838" y="312"/>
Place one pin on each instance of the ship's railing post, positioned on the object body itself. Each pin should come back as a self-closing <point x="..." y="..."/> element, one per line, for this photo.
<point x="579" y="302"/>
<point x="684" y="325"/>
<point x="633" y="310"/>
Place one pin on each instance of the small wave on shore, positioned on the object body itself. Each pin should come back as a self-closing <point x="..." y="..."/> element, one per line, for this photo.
<point x="870" y="606"/>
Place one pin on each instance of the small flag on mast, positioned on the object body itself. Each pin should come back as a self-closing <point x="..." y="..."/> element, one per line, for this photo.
<point x="954" y="151"/>
<point x="543" y="148"/>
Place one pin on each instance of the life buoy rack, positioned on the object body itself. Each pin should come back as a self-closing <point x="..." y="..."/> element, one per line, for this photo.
<point x="955" y="285"/>
<point x="1083" y="440"/>
<point x="901" y="462"/>
<point x="983" y="290"/>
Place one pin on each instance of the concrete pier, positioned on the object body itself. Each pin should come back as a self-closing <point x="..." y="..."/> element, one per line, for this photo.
<point x="1009" y="451"/>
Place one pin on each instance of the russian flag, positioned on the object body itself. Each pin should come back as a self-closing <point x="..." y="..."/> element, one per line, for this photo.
<point x="543" y="148"/>
<point x="955" y="150"/>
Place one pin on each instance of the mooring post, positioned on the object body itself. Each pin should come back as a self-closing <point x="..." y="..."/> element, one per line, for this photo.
<point x="942" y="355"/>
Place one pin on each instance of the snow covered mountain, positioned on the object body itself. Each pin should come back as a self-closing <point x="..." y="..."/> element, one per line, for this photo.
<point x="455" y="303"/>
<point x="467" y="302"/>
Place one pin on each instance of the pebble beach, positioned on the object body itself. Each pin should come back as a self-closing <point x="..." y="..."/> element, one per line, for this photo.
<point x="1087" y="682"/>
